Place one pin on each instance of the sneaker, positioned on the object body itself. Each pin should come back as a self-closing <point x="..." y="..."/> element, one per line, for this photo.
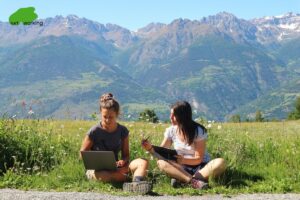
<point x="139" y="187"/>
<point x="175" y="183"/>
<point x="198" y="184"/>
<point x="90" y="174"/>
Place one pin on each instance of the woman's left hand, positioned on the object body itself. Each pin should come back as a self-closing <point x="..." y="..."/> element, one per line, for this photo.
<point x="180" y="159"/>
<point x="121" y="163"/>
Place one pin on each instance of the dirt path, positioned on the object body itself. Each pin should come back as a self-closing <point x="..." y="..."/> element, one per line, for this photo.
<point x="11" y="194"/>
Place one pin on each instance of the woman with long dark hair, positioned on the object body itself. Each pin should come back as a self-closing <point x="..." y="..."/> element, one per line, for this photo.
<point x="193" y="164"/>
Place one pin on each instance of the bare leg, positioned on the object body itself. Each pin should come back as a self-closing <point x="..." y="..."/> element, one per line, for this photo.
<point x="213" y="168"/>
<point x="120" y="175"/>
<point x="174" y="170"/>
<point x="138" y="167"/>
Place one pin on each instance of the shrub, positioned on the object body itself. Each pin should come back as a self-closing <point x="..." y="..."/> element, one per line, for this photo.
<point x="235" y="118"/>
<point x="259" y="116"/>
<point x="294" y="115"/>
<point x="23" y="146"/>
<point x="148" y="116"/>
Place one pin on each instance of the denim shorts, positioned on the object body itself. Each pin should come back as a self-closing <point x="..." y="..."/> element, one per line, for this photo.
<point x="192" y="169"/>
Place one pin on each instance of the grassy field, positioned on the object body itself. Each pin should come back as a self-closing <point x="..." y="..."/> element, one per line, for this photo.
<point x="43" y="155"/>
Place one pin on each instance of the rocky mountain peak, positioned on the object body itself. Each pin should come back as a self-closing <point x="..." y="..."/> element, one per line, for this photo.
<point x="151" y="28"/>
<point x="277" y="28"/>
<point x="239" y="30"/>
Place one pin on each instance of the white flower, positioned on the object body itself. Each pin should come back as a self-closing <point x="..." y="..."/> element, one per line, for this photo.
<point x="209" y="126"/>
<point x="219" y="127"/>
<point x="128" y="116"/>
<point x="30" y="112"/>
<point x="35" y="168"/>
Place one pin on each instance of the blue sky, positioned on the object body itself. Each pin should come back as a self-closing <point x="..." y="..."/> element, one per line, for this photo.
<point x="134" y="14"/>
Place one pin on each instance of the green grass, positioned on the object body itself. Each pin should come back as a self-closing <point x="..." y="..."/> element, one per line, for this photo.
<point x="261" y="157"/>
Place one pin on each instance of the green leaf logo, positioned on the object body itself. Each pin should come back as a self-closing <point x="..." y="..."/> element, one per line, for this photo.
<point x="23" y="15"/>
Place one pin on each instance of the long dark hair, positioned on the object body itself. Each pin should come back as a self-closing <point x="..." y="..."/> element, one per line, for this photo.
<point x="183" y="113"/>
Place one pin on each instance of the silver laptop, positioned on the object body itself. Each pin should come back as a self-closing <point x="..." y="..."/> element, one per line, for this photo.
<point x="99" y="160"/>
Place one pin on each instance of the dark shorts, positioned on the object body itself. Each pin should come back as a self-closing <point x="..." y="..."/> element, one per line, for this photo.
<point x="192" y="169"/>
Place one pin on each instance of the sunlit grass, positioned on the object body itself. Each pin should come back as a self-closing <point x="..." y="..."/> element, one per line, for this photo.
<point x="261" y="157"/>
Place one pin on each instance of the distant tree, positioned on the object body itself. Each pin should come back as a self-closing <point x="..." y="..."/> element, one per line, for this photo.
<point x="258" y="116"/>
<point x="295" y="114"/>
<point x="235" y="118"/>
<point x="148" y="115"/>
<point x="94" y="116"/>
<point x="247" y="119"/>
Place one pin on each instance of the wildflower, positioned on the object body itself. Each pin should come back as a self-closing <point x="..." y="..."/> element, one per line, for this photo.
<point x="209" y="126"/>
<point x="219" y="127"/>
<point x="23" y="103"/>
<point x="36" y="168"/>
<point x="30" y="112"/>
<point x="129" y="116"/>
<point x="62" y="126"/>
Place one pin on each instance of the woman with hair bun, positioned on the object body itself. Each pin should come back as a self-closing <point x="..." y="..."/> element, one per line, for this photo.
<point x="109" y="135"/>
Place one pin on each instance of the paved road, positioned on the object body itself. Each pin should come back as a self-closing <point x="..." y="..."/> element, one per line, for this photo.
<point x="9" y="194"/>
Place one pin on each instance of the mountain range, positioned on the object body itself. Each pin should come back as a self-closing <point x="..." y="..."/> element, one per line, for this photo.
<point x="221" y="64"/>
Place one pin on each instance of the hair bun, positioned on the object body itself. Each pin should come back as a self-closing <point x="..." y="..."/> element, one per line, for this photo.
<point x="106" y="97"/>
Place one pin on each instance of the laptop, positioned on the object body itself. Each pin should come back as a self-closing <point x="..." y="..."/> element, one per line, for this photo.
<point x="99" y="160"/>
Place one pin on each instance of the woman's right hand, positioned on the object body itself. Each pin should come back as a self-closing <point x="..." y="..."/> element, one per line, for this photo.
<point x="146" y="145"/>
